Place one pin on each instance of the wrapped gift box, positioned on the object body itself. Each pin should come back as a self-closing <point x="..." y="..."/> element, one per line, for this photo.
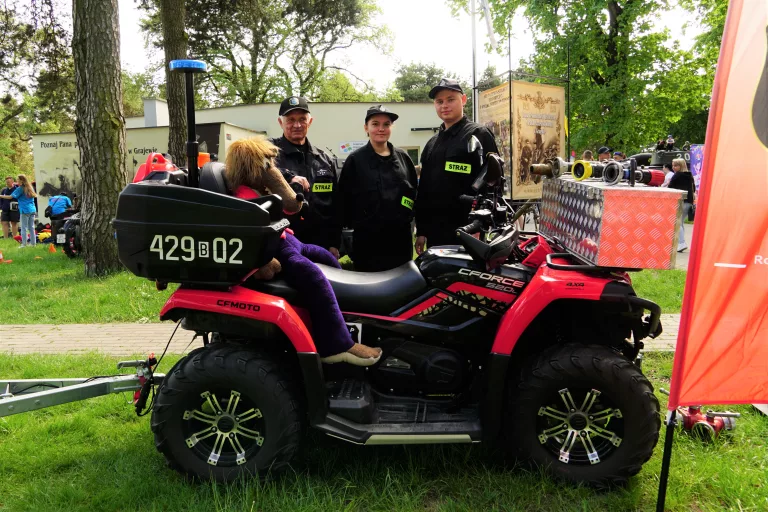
<point x="613" y="226"/>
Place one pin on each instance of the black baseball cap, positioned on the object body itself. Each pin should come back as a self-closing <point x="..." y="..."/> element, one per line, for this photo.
<point x="445" y="83"/>
<point x="292" y="103"/>
<point x="380" y="109"/>
<point x="603" y="149"/>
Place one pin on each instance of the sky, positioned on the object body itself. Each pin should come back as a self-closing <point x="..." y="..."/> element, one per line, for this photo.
<point x="415" y="38"/>
<point x="422" y="31"/>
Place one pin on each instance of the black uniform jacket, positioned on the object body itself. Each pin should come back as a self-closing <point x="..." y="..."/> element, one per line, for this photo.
<point x="318" y="222"/>
<point x="448" y="171"/>
<point x="377" y="192"/>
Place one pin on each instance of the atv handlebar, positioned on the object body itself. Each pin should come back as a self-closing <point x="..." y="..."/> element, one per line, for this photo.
<point x="475" y="227"/>
<point x="468" y="200"/>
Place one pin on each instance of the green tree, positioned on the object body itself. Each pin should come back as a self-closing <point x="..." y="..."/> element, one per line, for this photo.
<point x="710" y="15"/>
<point x="136" y="87"/>
<point x="174" y="42"/>
<point x="100" y="128"/>
<point x="334" y="87"/>
<point x="415" y="80"/>
<point x="629" y="82"/>
<point x="264" y="50"/>
<point x="489" y="79"/>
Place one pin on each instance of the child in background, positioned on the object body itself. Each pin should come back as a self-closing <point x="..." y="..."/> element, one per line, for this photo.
<point x="25" y="195"/>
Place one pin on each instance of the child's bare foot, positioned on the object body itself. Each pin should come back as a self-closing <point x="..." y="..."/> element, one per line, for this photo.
<point x="358" y="355"/>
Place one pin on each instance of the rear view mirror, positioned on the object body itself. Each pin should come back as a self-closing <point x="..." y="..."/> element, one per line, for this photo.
<point x="495" y="169"/>
<point x="490" y="173"/>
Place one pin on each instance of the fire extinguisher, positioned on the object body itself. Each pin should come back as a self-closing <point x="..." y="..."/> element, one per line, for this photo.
<point x="707" y="425"/>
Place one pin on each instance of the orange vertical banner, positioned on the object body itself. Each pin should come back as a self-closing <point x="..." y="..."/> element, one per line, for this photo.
<point x="722" y="346"/>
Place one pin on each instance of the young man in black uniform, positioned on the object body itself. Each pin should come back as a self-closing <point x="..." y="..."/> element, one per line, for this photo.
<point x="300" y="162"/>
<point x="377" y="190"/>
<point x="448" y="169"/>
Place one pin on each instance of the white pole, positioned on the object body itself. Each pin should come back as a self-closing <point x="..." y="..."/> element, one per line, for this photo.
<point x="474" y="66"/>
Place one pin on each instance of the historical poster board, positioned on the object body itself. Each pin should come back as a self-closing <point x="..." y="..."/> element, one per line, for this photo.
<point x="537" y="129"/>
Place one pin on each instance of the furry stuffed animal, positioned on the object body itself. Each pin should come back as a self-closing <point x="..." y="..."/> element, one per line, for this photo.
<point x="250" y="171"/>
<point x="250" y="163"/>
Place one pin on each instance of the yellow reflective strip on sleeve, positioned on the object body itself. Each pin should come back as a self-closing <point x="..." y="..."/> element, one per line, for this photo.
<point x="457" y="167"/>
<point x="322" y="187"/>
<point x="408" y="203"/>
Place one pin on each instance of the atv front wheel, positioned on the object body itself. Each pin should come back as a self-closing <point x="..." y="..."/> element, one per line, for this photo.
<point x="225" y="412"/>
<point x="584" y="413"/>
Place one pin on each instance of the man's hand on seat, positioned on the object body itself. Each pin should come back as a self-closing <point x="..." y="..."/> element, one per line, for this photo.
<point x="335" y="252"/>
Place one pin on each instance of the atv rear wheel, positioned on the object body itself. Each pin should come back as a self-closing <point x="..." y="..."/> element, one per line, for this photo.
<point x="226" y="412"/>
<point x="584" y="413"/>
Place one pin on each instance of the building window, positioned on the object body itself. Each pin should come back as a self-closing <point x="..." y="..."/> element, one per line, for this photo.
<point x="413" y="152"/>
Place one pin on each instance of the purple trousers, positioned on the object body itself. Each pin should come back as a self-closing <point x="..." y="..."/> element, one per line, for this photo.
<point x="298" y="260"/>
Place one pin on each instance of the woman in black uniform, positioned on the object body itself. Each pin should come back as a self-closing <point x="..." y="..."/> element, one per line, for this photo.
<point x="377" y="189"/>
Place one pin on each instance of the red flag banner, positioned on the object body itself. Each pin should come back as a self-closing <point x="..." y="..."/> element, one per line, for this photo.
<point x="722" y="346"/>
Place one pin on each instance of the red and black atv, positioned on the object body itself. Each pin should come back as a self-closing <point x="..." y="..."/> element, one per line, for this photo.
<point x="504" y="338"/>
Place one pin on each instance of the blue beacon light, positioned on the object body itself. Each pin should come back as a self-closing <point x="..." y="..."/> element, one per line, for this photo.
<point x="188" y="65"/>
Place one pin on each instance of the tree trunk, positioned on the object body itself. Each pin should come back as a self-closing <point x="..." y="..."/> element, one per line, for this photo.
<point x="172" y="14"/>
<point x="100" y="128"/>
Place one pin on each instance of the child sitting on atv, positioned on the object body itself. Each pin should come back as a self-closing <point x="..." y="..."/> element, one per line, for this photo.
<point x="251" y="172"/>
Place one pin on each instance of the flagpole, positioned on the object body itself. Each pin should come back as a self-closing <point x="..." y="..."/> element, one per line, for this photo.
<point x="666" y="460"/>
<point x="474" y="66"/>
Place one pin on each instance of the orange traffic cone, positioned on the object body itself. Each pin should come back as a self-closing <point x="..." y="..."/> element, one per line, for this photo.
<point x="51" y="248"/>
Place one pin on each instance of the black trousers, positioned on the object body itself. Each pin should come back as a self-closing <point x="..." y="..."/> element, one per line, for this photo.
<point x="442" y="236"/>
<point x="376" y="250"/>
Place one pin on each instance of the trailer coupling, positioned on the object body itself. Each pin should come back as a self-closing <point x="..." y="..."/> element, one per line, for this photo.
<point x="18" y="396"/>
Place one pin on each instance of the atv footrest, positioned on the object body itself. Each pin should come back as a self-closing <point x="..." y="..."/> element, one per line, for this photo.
<point x="361" y="415"/>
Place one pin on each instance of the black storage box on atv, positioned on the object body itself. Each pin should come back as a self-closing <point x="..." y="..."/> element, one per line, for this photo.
<point x="171" y="233"/>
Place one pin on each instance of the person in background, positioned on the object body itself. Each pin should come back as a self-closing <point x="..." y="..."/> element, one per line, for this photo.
<point x="9" y="210"/>
<point x="25" y="195"/>
<point x="604" y="154"/>
<point x="670" y="145"/>
<point x="59" y="205"/>
<point x="377" y="190"/>
<point x="301" y="162"/>
<point x="619" y="156"/>
<point x="683" y="180"/>
<point x="587" y="155"/>
<point x="448" y="168"/>
<point x="668" y="173"/>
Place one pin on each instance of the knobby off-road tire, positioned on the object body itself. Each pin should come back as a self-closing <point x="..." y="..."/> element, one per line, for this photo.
<point x="72" y="238"/>
<point x="231" y="406"/>
<point x="564" y="408"/>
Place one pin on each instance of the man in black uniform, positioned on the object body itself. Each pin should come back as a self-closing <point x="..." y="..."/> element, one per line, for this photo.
<point x="448" y="169"/>
<point x="300" y="162"/>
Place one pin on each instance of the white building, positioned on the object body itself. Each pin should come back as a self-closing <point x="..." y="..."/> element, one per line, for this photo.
<point x="337" y="128"/>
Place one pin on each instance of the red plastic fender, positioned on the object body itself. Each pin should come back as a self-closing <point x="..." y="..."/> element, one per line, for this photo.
<point x="546" y="286"/>
<point x="245" y="303"/>
<point x="155" y="162"/>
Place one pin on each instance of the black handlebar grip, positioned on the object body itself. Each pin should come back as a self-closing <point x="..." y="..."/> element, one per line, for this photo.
<point x="472" y="228"/>
<point x="465" y="199"/>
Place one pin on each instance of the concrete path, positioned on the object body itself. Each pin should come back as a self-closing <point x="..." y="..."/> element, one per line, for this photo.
<point x="141" y="339"/>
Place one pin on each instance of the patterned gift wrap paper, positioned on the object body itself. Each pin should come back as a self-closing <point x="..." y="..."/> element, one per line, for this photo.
<point x="613" y="226"/>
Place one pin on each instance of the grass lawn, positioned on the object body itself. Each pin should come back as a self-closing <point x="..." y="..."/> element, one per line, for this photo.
<point x="98" y="455"/>
<point x="664" y="287"/>
<point x="43" y="288"/>
<point x="46" y="288"/>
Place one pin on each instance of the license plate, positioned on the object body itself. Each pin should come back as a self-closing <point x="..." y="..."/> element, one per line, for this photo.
<point x="61" y="238"/>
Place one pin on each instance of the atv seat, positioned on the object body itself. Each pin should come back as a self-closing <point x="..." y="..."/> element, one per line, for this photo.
<point x="212" y="178"/>
<point x="376" y="293"/>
